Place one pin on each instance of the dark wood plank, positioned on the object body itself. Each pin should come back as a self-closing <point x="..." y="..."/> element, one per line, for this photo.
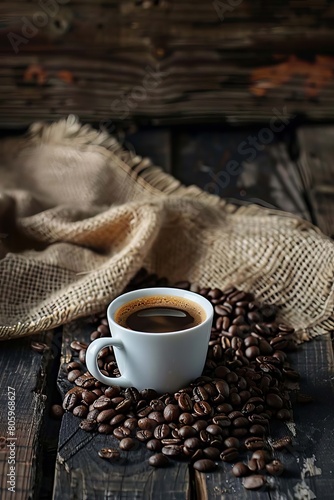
<point x="23" y="373"/>
<point x="316" y="165"/>
<point x="264" y="176"/>
<point x="309" y="462"/>
<point x="81" y="473"/>
<point x="236" y="66"/>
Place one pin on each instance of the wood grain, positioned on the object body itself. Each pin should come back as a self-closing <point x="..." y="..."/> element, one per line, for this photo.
<point x="25" y="371"/>
<point x="316" y="167"/>
<point x="93" y="59"/>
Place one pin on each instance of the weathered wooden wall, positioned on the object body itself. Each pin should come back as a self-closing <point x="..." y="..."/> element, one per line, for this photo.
<point x="168" y="61"/>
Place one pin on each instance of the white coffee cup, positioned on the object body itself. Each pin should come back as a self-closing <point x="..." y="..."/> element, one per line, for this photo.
<point x="166" y="361"/>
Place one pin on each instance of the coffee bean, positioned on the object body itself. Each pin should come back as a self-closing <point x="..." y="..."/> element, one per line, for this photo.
<point x="109" y="454"/>
<point x="229" y="455"/>
<point x="204" y="465"/>
<point x="112" y="392"/>
<point x="240" y="469"/>
<point x="257" y="430"/>
<point x="73" y="375"/>
<point x="157" y="417"/>
<point x="130" y="423"/>
<point x="123" y="406"/>
<point x="154" y="445"/>
<point x="232" y="442"/>
<point x="274" y="401"/>
<point x="171" y="413"/>
<point x="192" y="443"/>
<point x="187" y="431"/>
<point x="148" y="394"/>
<point x="105" y="428"/>
<point x="158" y="460"/>
<point x="275" y="468"/>
<point x="92" y="415"/>
<point x="86" y="381"/>
<point x="172" y="450"/>
<point x="157" y="405"/>
<point x="144" y="435"/>
<point x="185" y="403"/>
<point x="254" y="482"/>
<point x="214" y="429"/>
<point x="211" y="452"/>
<point x="253" y="465"/>
<point x="202" y="408"/>
<point x="162" y="431"/>
<point x="89" y="397"/>
<point x="186" y="419"/>
<point x="222" y="421"/>
<point x="283" y="414"/>
<point x="57" y="411"/>
<point x="105" y="415"/>
<point x="254" y="443"/>
<point x="80" y="411"/>
<point x="168" y="441"/>
<point x="70" y="401"/>
<point x="147" y="423"/>
<point x="121" y="432"/>
<point x="117" y="419"/>
<point x="77" y="346"/>
<point x="127" y="444"/>
<point x="87" y="425"/>
<point x="283" y="442"/>
<point x="74" y="365"/>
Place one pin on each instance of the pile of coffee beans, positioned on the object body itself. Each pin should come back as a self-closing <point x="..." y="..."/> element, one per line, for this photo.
<point x="222" y="416"/>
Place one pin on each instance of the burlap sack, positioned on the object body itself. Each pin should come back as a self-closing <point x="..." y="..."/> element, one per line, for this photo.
<point x="78" y="220"/>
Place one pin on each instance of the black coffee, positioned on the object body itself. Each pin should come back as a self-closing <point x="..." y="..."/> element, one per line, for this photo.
<point x="159" y="314"/>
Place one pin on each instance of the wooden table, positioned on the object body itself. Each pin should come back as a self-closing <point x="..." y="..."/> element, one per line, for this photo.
<point x="64" y="458"/>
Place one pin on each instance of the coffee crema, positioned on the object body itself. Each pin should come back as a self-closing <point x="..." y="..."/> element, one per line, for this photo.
<point x="160" y="314"/>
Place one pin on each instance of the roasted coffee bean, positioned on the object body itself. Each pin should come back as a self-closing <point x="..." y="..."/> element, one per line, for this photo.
<point x="204" y="465"/>
<point x="257" y="430"/>
<point x="130" y="423"/>
<point x="283" y="414"/>
<point x="275" y="468"/>
<point x="200" y="394"/>
<point x="187" y="431"/>
<point x="171" y="413"/>
<point x="223" y="388"/>
<point x="74" y="365"/>
<point x="117" y="419"/>
<point x="162" y="431"/>
<point x="102" y="403"/>
<point x="86" y="381"/>
<point x="124" y="406"/>
<point x="57" y="411"/>
<point x="77" y="346"/>
<point x="254" y="482"/>
<point x="73" y="375"/>
<point x="105" y="428"/>
<point x="291" y="374"/>
<point x="240" y="422"/>
<point x="274" y="401"/>
<point x="127" y="444"/>
<point x="121" y="432"/>
<point x="185" y="403"/>
<point x="202" y="408"/>
<point x="229" y="455"/>
<point x="95" y="335"/>
<point x="112" y="392"/>
<point x="105" y="415"/>
<point x="154" y="445"/>
<point x="168" y="441"/>
<point x="148" y="394"/>
<point x="70" y="401"/>
<point x="147" y="423"/>
<point x="240" y="469"/>
<point x="87" y="425"/>
<point x="283" y="442"/>
<point x="222" y="421"/>
<point x="255" y="443"/>
<point x="204" y="436"/>
<point x="193" y="443"/>
<point x="89" y="397"/>
<point x="157" y="405"/>
<point x="214" y="429"/>
<point x="109" y="454"/>
<point x="211" y="452"/>
<point x="224" y="408"/>
<point x="172" y="450"/>
<point x="156" y="416"/>
<point x="92" y="415"/>
<point x="232" y="442"/>
<point x="80" y="411"/>
<point x="144" y="435"/>
<point x="253" y="465"/>
<point x="158" y="460"/>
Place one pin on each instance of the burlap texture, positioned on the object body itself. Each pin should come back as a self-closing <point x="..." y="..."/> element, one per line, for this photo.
<point x="78" y="219"/>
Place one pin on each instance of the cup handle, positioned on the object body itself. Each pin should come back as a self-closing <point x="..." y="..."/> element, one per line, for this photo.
<point x="91" y="361"/>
